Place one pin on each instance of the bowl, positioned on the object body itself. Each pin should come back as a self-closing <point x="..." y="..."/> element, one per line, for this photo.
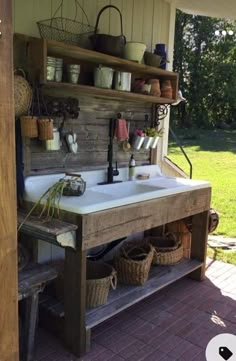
<point x="152" y="59"/>
<point x="134" y="51"/>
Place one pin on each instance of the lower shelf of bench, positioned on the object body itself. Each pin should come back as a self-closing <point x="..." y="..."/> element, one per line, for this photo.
<point x="125" y="295"/>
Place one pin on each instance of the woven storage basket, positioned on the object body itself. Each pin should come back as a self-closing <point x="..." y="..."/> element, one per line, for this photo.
<point x="22" y="94"/>
<point x="45" y="126"/>
<point x="182" y="233"/>
<point x="29" y="126"/>
<point x="134" y="262"/>
<point x="167" y="250"/>
<point x="100" y="276"/>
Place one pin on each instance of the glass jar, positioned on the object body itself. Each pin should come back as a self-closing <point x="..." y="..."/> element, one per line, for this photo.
<point x="55" y="143"/>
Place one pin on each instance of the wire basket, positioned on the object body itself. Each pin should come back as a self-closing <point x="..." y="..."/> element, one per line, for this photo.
<point x="67" y="30"/>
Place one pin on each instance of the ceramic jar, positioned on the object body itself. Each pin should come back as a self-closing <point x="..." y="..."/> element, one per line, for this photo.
<point x="166" y="89"/>
<point x="55" y="143"/>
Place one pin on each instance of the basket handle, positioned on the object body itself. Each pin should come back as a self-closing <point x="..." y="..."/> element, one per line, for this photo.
<point x="81" y="8"/>
<point x="113" y="279"/>
<point x="177" y="241"/>
<point x="20" y="70"/>
<point x="100" y="13"/>
<point x="77" y="4"/>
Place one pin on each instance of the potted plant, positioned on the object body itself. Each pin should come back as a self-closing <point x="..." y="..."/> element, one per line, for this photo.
<point x="152" y="137"/>
<point x="138" y="139"/>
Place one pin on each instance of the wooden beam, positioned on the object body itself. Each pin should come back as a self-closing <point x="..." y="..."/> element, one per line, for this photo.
<point x="8" y="237"/>
<point x="199" y="242"/>
<point x="105" y="226"/>
<point x="53" y="230"/>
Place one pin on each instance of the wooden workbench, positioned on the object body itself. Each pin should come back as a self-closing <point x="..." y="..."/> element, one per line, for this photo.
<point x="105" y="226"/>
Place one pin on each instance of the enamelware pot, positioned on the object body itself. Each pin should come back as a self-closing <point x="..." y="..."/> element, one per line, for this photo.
<point x="134" y="51"/>
<point x="103" y="77"/>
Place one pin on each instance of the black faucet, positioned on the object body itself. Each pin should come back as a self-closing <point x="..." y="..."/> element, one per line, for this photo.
<point x="111" y="172"/>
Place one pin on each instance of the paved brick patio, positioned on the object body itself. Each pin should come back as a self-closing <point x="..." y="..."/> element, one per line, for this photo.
<point x="173" y="324"/>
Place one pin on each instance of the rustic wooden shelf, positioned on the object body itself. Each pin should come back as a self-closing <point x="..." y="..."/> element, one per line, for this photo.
<point x="125" y="295"/>
<point x="56" y="48"/>
<point x="39" y="49"/>
<point x="110" y="93"/>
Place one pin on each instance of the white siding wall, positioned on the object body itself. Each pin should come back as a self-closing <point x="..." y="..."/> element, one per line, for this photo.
<point x="143" y="20"/>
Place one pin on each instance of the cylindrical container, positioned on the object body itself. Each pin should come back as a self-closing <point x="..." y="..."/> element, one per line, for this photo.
<point x="161" y="51"/>
<point x="103" y="77"/>
<point x="58" y="70"/>
<point x="146" y="88"/>
<point x="155" y="87"/>
<point x="29" y="126"/>
<point x="154" y="142"/>
<point x="122" y="81"/>
<point x="147" y="142"/>
<point x="51" y="68"/>
<point x="132" y="165"/>
<point x="73" y="71"/>
<point x="55" y="143"/>
<point x="45" y="126"/>
<point x="137" y="142"/>
<point x="166" y="89"/>
<point x="134" y="51"/>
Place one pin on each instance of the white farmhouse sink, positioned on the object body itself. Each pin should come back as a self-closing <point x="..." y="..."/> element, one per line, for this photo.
<point x="125" y="189"/>
<point x="100" y="197"/>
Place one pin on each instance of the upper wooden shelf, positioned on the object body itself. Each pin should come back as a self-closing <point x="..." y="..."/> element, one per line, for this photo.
<point x="39" y="49"/>
<point x="60" y="49"/>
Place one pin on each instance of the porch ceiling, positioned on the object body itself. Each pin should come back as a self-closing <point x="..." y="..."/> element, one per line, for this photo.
<point x="214" y="8"/>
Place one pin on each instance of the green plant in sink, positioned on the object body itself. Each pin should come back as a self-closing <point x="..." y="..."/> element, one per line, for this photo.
<point x="70" y="185"/>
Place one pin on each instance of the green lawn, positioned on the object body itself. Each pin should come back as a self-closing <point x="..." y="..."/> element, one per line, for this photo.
<point x="222" y="255"/>
<point x="213" y="155"/>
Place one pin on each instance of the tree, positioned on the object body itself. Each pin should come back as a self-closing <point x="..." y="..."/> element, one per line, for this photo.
<point x="207" y="68"/>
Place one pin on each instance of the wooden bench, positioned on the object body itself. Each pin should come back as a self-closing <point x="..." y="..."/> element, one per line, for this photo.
<point x="30" y="283"/>
<point x="33" y="280"/>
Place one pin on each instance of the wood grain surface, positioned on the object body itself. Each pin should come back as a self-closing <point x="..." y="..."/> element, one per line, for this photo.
<point x="8" y="248"/>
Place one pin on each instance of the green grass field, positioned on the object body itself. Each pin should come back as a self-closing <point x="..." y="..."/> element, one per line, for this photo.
<point x="213" y="155"/>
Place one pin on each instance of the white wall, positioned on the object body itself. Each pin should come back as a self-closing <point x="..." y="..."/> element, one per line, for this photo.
<point x="143" y="20"/>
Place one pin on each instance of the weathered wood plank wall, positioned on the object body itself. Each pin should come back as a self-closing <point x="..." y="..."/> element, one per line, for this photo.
<point x="146" y="21"/>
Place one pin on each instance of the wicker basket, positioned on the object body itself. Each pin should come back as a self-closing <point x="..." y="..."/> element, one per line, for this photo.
<point x="100" y="276"/>
<point x="67" y="30"/>
<point x="167" y="250"/>
<point x="29" y="126"/>
<point x="22" y="94"/>
<point x="134" y="262"/>
<point x="182" y="233"/>
<point x="45" y="126"/>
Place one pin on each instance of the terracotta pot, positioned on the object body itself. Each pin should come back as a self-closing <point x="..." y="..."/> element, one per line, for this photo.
<point x="155" y="87"/>
<point x="166" y="89"/>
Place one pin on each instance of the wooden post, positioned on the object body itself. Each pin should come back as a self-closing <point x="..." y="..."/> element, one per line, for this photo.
<point x="199" y="242"/>
<point x="8" y="238"/>
<point x="75" y="302"/>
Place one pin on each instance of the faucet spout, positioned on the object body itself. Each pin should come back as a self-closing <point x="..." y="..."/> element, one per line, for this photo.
<point x="111" y="172"/>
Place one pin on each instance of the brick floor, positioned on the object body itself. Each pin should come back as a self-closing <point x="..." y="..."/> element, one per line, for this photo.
<point x="174" y="324"/>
